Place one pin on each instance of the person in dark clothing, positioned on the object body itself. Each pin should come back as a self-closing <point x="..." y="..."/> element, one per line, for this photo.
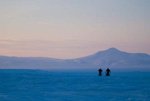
<point x="100" y="72"/>
<point x="108" y="72"/>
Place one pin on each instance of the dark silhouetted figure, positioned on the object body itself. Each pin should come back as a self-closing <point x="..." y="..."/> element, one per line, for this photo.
<point x="100" y="72"/>
<point x="108" y="72"/>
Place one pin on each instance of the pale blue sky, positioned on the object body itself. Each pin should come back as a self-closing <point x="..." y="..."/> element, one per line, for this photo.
<point x="73" y="28"/>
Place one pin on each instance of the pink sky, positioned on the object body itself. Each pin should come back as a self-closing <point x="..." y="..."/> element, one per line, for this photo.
<point x="73" y="28"/>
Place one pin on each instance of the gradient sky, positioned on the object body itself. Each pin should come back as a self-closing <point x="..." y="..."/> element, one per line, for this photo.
<point x="73" y="28"/>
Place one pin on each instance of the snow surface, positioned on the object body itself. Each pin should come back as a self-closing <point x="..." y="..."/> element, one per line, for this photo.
<point x="36" y="85"/>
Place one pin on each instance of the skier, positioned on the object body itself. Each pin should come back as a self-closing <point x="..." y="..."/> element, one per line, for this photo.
<point x="108" y="72"/>
<point x="100" y="72"/>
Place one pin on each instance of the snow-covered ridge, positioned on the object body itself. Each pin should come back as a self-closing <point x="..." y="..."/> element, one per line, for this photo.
<point x="112" y="58"/>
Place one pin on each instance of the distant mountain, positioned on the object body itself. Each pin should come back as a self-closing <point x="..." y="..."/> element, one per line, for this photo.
<point x="117" y="59"/>
<point x="112" y="58"/>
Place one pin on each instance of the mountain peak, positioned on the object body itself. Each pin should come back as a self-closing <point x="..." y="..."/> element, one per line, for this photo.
<point x="109" y="51"/>
<point x="112" y="49"/>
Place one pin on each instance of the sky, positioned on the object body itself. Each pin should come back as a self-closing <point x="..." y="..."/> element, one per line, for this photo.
<point x="73" y="28"/>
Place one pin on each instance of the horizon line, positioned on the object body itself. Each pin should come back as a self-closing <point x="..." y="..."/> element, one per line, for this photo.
<point x="112" y="48"/>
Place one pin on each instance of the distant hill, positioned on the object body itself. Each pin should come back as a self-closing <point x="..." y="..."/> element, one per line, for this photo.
<point x="112" y="58"/>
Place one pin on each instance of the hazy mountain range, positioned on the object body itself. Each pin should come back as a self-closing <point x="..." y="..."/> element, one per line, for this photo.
<point x="112" y="58"/>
